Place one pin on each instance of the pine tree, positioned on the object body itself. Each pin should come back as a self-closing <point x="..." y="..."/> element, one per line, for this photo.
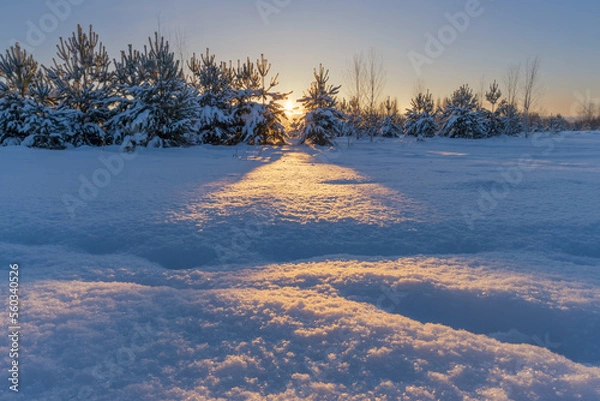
<point x="216" y="98"/>
<point x="127" y="75"/>
<point x="357" y="119"/>
<point x="420" y="118"/>
<point x="391" y="125"/>
<point x="216" y="120"/>
<point x="493" y="95"/>
<point x="323" y="122"/>
<point x="354" y="125"/>
<point x="27" y="113"/>
<point x="556" y="124"/>
<point x="258" y="111"/>
<point x="509" y="120"/>
<point x="157" y="108"/>
<point x="373" y="124"/>
<point x="461" y="118"/>
<point x="18" y="70"/>
<point x="12" y="130"/>
<point x="536" y="123"/>
<point x="81" y="79"/>
<point x="246" y="84"/>
<point x="45" y="126"/>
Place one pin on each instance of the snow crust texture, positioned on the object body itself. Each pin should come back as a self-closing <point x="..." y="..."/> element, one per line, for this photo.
<point x="396" y="270"/>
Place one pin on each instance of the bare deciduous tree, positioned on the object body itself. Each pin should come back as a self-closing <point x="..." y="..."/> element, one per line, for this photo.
<point x="587" y="112"/>
<point x="159" y="25"/>
<point x="376" y="80"/>
<point x="178" y="38"/>
<point x="180" y="41"/>
<point x="419" y="87"/>
<point x="531" y="89"/>
<point x="481" y="92"/>
<point x="356" y="82"/>
<point x="365" y="80"/>
<point x="511" y="81"/>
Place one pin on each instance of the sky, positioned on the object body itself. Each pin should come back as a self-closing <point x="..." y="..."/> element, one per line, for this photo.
<point x="296" y="36"/>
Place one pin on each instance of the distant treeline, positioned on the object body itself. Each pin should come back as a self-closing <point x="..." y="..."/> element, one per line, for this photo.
<point x="150" y="98"/>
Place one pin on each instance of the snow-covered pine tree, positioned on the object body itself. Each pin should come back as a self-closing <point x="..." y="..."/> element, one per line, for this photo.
<point x="353" y="122"/>
<point x="323" y="121"/>
<point x="493" y="95"/>
<point x="157" y="108"/>
<point x="126" y="75"/>
<point x="246" y="84"/>
<point x="27" y="114"/>
<point x="557" y="124"/>
<point x="356" y="121"/>
<point x="11" y="116"/>
<point x="372" y="123"/>
<point x="537" y="123"/>
<point x="421" y="118"/>
<point x="81" y="79"/>
<point x="509" y="120"/>
<point x="44" y="124"/>
<point x="391" y="125"/>
<point x="17" y="71"/>
<point x="216" y="120"/>
<point x="461" y="118"/>
<point x="259" y="111"/>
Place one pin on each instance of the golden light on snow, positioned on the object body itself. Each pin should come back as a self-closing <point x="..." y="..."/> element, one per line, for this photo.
<point x="299" y="189"/>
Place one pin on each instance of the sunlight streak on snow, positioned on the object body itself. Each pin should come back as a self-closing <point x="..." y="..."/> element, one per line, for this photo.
<point x="440" y="153"/>
<point x="294" y="189"/>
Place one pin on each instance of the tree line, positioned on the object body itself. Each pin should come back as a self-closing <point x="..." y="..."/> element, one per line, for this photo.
<point x="144" y="98"/>
<point x="152" y="98"/>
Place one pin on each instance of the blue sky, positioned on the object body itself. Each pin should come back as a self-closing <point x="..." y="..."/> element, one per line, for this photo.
<point x="302" y="34"/>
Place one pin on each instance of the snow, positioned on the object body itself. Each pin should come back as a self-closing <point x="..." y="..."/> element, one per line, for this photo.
<point x="395" y="270"/>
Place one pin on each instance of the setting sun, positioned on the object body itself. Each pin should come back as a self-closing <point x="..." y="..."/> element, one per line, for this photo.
<point x="290" y="108"/>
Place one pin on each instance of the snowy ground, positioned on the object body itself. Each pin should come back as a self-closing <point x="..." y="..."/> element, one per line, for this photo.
<point x="443" y="270"/>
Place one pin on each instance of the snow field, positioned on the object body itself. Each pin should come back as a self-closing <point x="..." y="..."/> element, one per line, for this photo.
<point x="347" y="274"/>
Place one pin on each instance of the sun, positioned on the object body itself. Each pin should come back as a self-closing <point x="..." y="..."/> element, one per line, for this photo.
<point x="290" y="108"/>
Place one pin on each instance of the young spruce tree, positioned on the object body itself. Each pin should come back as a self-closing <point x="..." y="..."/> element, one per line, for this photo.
<point x="17" y="71"/>
<point x="81" y="79"/>
<point x="391" y="126"/>
<point x="258" y="110"/>
<point x="323" y="122"/>
<point x="216" y="120"/>
<point x="156" y="108"/>
<point x="509" y="119"/>
<point x="493" y="95"/>
<point x="45" y="125"/>
<point x="461" y="118"/>
<point x="420" y="118"/>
